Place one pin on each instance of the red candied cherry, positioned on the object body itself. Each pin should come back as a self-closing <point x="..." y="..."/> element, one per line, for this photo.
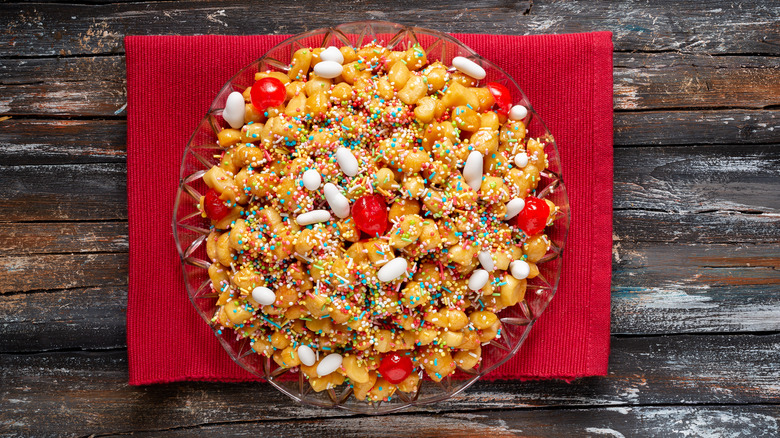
<point x="215" y="208"/>
<point x="502" y="96"/>
<point x="533" y="218"/>
<point x="267" y="93"/>
<point x="370" y="214"/>
<point x="395" y="368"/>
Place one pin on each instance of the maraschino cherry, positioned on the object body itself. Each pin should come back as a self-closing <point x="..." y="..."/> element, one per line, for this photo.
<point x="214" y="207"/>
<point x="267" y="92"/>
<point x="502" y="95"/>
<point x="395" y="368"/>
<point x="370" y="214"/>
<point x="533" y="218"/>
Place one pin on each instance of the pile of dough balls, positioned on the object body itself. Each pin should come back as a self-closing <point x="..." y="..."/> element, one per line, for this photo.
<point x="371" y="214"/>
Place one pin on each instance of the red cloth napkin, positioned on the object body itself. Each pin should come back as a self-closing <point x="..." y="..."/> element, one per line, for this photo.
<point x="171" y="82"/>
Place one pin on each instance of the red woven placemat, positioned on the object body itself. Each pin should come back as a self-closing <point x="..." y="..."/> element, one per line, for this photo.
<point x="171" y="82"/>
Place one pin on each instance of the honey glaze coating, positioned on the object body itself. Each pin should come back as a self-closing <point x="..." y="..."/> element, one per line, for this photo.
<point x="375" y="214"/>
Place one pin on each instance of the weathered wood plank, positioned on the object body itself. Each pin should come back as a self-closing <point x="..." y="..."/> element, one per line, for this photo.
<point x="715" y="193"/>
<point x="68" y="192"/>
<point x="53" y="141"/>
<point x="660" y="421"/>
<point x="698" y="179"/>
<point x="57" y="141"/>
<point x="94" y="86"/>
<point x="673" y="80"/>
<point x="35" y="71"/>
<point x="721" y="27"/>
<point x="91" y="318"/>
<point x="69" y="237"/>
<point x="657" y="288"/>
<point x="706" y="227"/>
<point x="55" y="271"/>
<point x="86" y="392"/>
<point x="697" y="194"/>
<point x="732" y="127"/>
<point x="662" y="288"/>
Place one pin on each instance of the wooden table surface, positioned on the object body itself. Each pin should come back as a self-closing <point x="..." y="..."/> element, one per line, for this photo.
<point x="695" y="280"/>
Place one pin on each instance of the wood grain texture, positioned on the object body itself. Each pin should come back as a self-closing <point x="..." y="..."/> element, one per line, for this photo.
<point x="66" y="192"/>
<point x="729" y="227"/>
<point x="91" y="86"/>
<point x="55" y="141"/>
<point x="699" y="179"/>
<point x="86" y="392"/>
<point x="733" y="127"/>
<point x="94" y="86"/>
<point x="41" y="272"/>
<point x="674" y="80"/>
<point x="667" y="421"/>
<point x="81" y="318"/>
<point x="658" y="288"/>
<point x="721" y="27"/>
<point x="59" y="237"/>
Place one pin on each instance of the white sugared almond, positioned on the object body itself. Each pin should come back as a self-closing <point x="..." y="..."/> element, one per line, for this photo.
<point x="518" y="112"/>
<point x="263" y="296"/>
<point x="392" y="270"/>
<point x="472" y="170"/>
<point x="347" y="161"/>
<point x="521" y="159"/>
<point x="469" y="67"/>
<point x="234" y="110"/>
<point x="478" y="279"/>
<point x="313" y="217"/>
<point x="332" y="54"/>
<point x="329" y="364"/>
<point x="328" y="69"/>
<point x="520" y="269"/>
<point x="513" y="208"/>
<point x="306" y="355"/>
<point x="312" y="179"/>
<point x="337" y="202"/>
<point x="486" y="260"/>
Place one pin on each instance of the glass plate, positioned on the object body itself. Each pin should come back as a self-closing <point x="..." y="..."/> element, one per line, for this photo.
<point x="190" y="229"/>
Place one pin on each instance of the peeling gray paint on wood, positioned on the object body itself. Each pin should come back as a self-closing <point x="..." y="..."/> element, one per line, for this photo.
<point x="682" y="288"/>
<point x="41" y="272"/>
<point x="66" y="192"/>
<point x="699" y="179"/>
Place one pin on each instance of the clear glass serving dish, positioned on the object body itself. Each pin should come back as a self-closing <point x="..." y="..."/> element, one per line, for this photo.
<point x="190" y="229"/>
